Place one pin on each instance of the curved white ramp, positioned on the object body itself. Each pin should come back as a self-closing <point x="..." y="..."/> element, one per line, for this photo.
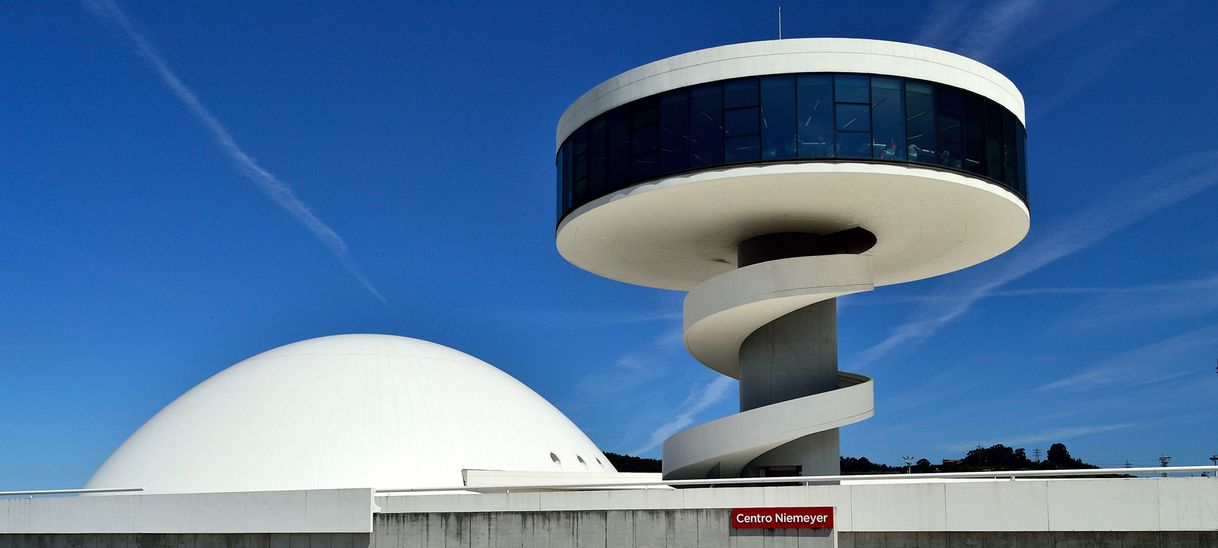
<point x="719" y="315"/>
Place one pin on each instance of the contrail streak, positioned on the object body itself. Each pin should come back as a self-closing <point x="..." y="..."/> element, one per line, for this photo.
<point x="697" y="403"/>
<point x="1173" y="183"/>
<point x="278" y="191"/>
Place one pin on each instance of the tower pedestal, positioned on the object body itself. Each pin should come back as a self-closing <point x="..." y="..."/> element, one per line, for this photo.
<point x="792" y="357"/>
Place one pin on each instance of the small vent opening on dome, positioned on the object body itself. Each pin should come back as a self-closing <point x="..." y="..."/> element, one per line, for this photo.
<point x="601" y="464"/>
<point x="582" y="461"/>
<point x="556" y="460"/>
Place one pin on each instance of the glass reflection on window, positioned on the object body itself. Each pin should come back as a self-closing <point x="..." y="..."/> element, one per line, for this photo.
<point x="784" y="117"/>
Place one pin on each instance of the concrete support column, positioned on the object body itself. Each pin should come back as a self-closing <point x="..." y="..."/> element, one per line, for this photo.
<point x="792" y="357"/>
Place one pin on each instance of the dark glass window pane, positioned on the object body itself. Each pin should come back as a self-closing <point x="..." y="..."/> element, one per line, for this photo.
<point x="643" y="159"/>
<point x="920" y="122"/>
<point x="948" y="101"/>
<point x="564" y="174"/>
<point x="815" y="124"/>
<point x="619" y="149"/>
<point x="1020" y="147"/>
<point x="1010" y="173"/>
<point x="643" y="141"/>
<point x="740" y="93"/>
<point x="853" y="118"/>
<point x="993" y="140"/>
<point x="643" y="167"/>
<point x="674" y="132"/>
<point x="598" y="158"/>
<point x="853" y="145"/>
<point x="852" y="88"/>
<point x="643" y="113"/>
<point x="579" y="140"/>
<point x="974" y="134"/>
<point x="706" y="126"/>
<point x="887" y="119"/>
<point x="742" y="149"/>
<point x="740" y="121"/>
<point x="949" y="127"/>
<point x="579" y="173"/>
<point x="778" y="117"/>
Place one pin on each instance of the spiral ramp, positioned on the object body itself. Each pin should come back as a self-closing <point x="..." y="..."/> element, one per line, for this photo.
<point x="720" y="314"/>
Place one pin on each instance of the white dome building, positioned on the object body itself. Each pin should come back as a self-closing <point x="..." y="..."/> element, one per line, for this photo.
<point x="349" y="411"/>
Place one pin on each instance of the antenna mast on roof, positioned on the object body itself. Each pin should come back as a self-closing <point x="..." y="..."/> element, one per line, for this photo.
<point x="780" y="21"/>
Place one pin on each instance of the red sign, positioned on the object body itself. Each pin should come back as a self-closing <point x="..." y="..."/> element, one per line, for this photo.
<point x="815" y="517"/>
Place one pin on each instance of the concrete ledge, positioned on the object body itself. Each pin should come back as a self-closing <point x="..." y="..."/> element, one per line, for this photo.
<point x="314" y="511"/>
<point x="1040" y="505"/>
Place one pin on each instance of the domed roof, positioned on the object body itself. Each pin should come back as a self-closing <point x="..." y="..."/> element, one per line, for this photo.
<point x="348" y="411"/>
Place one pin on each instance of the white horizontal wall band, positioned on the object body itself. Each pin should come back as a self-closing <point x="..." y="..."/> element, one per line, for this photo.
<point x="786" y="57"/>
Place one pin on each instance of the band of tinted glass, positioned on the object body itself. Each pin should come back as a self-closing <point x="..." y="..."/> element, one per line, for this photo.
<point x="792" y="118"/>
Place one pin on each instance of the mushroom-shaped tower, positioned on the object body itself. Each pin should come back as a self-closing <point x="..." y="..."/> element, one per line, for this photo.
<point x="769" y="178"/>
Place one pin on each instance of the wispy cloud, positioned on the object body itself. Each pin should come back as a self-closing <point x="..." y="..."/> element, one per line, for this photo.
<point x="978" y="32"/>
<point x="1099" y="61"/>
<point x="1191" y="285"/>
<point x="629" y="371"/>
<point x="943" y="23"/>
<point x="580" y="318"/>
<point x="278" y="191"/>
<point x="993" y="31"/>
<point x="697" y="402"/>
<point x="636" y="391"/>
<point x="1173" y="183"/>
<point x="1165" y="360"/>
<point x="1182" y="285"/>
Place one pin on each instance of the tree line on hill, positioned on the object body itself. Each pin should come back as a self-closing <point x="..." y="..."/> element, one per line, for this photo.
<point x="982" y="459"/>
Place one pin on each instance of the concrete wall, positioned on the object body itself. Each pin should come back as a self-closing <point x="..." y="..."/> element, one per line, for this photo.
<point x="206" y="540"/>
<point x="583" y="529"/>
<point x="1092" y="512"/>
<point x="470" y="539"/>
<point x="1138" y="504"/>
<point x="1059" y="539"/>
<point x="316" y="511"/>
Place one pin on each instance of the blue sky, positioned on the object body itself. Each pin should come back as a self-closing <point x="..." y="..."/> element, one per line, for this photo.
<point x="184" y="185"/>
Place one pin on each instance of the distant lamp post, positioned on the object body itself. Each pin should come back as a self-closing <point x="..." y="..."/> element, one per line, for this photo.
<point x="908" y="464"/>
<point x="1163" y="461"/>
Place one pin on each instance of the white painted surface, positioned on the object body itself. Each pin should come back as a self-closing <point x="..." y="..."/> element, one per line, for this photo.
<point x="541" y="480"/>
<point x="786" y="57"/>
<point x="1188" y="505"/>
<point x="348" y="411"/>
<point x="1137" y="504"/>
<point x="681" y="231"/>
<point x="1009" y="506"/>
<point x="735" y="440"/>
<point x="1087" y="505"/>
<point x="318" y="511"/>
<point x="1141" y="504"/>
<point x="900" y="507"/>
<point x="722" y="311"/>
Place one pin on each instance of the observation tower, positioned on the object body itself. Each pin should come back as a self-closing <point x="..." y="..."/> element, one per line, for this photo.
<point x="769" y="178"/>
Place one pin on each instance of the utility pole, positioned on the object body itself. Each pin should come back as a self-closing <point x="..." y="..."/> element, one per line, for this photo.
<point x="1163" y="461"/>
<point x="908" y="464"/>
